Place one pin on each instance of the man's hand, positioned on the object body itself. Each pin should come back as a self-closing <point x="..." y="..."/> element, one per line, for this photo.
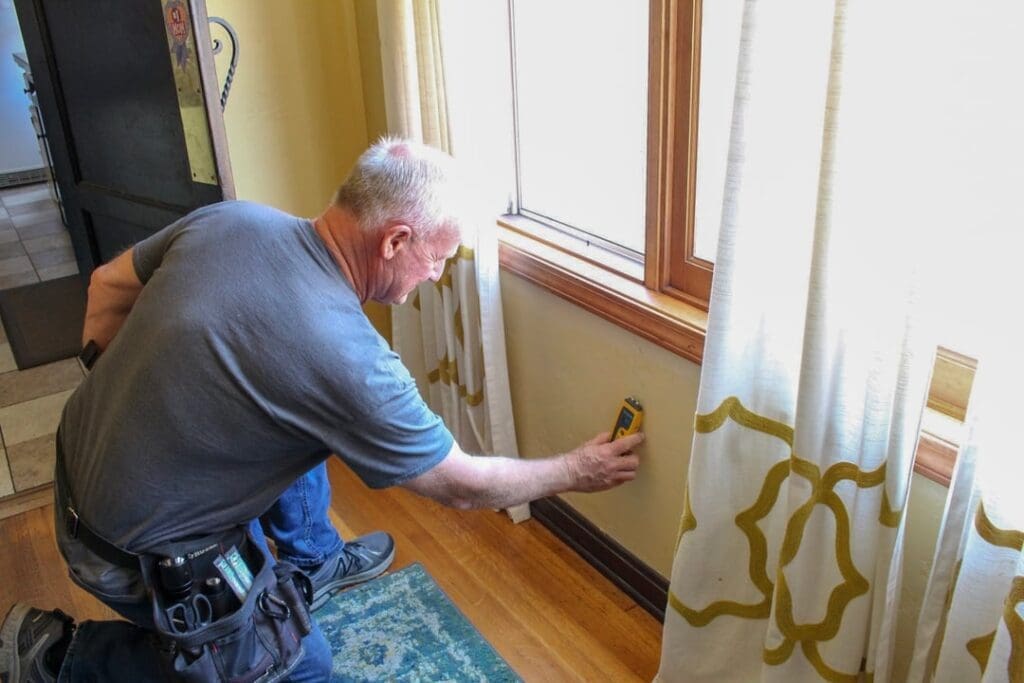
<point x="600" y="464"/>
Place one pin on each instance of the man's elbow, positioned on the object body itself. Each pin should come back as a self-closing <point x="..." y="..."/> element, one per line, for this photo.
<point x="461" y="496"/>
<point x="457" y="493"/>
<point x="459" y="481"/>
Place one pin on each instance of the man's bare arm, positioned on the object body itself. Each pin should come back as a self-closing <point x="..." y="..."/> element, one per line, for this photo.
<point x="466" y="481"/>
<point x="113" y="289"/>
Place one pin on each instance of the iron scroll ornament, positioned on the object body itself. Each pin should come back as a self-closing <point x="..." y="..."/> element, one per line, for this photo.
<point x="217" y="47"/>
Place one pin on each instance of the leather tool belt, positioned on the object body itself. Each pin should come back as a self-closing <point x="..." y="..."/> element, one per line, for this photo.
<point x="223" y="609"/>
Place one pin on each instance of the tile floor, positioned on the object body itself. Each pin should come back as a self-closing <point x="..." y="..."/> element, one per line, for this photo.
<point x="34" y="246"/>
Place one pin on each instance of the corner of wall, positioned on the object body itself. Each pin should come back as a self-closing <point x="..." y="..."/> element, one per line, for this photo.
<point x="370" y="65"/>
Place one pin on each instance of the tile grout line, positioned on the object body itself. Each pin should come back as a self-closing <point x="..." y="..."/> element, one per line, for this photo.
<point x="39" y="278"/>
<point x="7" y="461"/>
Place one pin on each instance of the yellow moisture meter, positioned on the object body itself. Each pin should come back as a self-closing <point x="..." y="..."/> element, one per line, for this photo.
<point x="631" y="416"/>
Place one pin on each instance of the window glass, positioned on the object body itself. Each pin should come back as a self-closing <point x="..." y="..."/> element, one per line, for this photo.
<point x="581" y="79"/>
<point x="720" y="36"/>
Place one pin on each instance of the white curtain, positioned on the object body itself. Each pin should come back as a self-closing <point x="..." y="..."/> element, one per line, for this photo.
<point x="450" y="334"/>
<point x="875" y="138"/>
<point x="815" y="369"/>
<point x="971" y="625"/>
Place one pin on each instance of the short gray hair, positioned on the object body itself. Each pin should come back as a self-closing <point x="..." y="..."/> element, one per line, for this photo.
<point x="402" y="181"/>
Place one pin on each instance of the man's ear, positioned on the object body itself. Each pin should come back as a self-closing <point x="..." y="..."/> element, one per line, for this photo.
<point x="393" y="239"/>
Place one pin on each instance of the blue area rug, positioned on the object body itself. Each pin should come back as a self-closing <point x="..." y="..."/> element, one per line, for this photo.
<point x="402" y="627"/>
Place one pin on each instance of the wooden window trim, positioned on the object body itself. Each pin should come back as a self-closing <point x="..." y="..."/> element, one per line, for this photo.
<point x="935" y="458"/>
<point x="952" y="379"/>
<point x="660" y="318"/>
<point x="948" y="394"/>
<point x="674" y="89"/>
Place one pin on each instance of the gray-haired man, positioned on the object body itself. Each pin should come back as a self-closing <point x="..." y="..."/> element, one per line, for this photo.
<point x="236" y="359"/>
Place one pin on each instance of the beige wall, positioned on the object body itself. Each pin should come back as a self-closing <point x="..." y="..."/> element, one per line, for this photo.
<point x="295" y="119"/>
<point x="370" y="61"/>
<point x="569" y="371"/>
<point x="376" y="119"/>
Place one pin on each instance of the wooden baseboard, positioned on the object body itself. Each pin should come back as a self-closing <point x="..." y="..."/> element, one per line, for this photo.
<point x="621" y="567"/>
<point x="26" y="500"/>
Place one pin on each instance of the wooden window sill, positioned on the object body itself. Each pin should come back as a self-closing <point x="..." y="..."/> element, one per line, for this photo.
<point x="935" y="458"/>
<point x="659" y="318"/>
<point x="620" y="299"/>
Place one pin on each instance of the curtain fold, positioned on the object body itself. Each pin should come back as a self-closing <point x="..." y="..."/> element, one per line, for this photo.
<point x="854" y="160"/>
<point x="971" y="626"/>
<point x="451" y="333"/>
<point x="815" y="370"/>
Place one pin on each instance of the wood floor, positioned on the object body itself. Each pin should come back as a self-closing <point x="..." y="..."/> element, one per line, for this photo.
<point x="548" y="613"/>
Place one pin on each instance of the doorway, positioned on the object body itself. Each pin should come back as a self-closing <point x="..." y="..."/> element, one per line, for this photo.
<point x="35" y="247"/>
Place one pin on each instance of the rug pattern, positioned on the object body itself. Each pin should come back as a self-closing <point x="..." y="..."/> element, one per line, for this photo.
<point x="402" y="627"/>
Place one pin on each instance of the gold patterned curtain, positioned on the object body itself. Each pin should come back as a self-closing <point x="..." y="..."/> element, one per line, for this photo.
<point x="866" y="155"/>
<point x="787" y="565"/>
<point x="451" y="333"/>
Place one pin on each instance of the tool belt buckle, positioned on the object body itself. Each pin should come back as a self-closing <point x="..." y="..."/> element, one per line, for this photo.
<point x="71" y="521"/>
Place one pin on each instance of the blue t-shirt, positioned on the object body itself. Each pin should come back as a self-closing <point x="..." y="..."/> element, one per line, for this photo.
<point x="245" y="361"/>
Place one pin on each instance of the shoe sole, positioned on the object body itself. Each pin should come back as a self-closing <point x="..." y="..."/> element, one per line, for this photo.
<point x="329" y="590"/>
<point x="9" y="641"/>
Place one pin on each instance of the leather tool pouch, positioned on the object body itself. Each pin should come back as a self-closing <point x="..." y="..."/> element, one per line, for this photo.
<point x="259" y="639"/>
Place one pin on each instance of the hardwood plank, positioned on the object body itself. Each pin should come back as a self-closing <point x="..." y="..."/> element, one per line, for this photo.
<point x="26" y="500"/>
<point x="549" y="613"/>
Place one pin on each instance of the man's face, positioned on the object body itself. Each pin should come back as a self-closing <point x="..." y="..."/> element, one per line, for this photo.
<point x="420" y="259"/>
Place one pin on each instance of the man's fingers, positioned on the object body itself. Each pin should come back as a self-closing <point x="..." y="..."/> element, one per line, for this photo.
<point x="599" y="439"/>
<point x="626" y="443"/>
<point x="628" y="463"/>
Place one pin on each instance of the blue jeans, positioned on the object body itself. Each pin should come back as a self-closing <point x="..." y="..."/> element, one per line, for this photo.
<point x="126" y="650"/>
<point x="299" y="524"/>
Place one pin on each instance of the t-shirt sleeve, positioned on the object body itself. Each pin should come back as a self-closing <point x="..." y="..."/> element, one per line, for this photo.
<point x="397" y="437"/>
<point x="369" y="412"/>
<point x="149" y="253"/>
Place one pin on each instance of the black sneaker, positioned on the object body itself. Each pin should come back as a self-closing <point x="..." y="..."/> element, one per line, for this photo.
<point x="360" y="560"/>
<point x="26" y="637"/>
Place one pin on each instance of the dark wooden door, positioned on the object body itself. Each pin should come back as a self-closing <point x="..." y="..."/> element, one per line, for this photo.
<point x="128" y="95"/>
